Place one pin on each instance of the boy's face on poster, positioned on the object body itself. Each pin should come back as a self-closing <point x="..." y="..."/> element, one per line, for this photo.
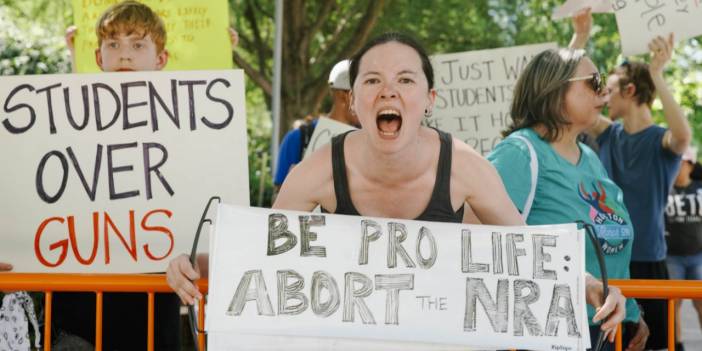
<point x="132" y="52"/>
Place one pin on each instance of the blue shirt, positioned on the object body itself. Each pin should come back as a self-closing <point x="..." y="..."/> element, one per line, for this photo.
<point x="645" y="171"/>
<point x="566" y="193"/>
<point x="289" y="154"/>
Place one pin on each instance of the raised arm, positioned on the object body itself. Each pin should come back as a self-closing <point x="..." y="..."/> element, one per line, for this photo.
<point x="582" y="24"/>
<point x="71" y="45"/>
<point x="677" y="137"/>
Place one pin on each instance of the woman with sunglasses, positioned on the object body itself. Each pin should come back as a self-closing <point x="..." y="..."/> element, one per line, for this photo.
<point x="551" y="177"/>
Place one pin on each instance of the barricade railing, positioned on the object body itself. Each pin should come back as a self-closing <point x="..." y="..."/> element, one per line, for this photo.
<point x="670" y="290"/>
<point x="98" y="283"/>
<point x="150" y="284"/>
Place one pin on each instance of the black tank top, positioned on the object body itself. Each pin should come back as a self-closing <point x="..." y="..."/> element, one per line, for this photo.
<point x="439" y="208"/>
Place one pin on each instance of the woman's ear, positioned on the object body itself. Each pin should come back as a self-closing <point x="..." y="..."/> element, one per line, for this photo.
<point x="432" y="97"/>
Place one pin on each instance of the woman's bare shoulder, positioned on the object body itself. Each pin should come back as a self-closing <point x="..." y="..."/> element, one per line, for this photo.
<point x="309" y="183"/>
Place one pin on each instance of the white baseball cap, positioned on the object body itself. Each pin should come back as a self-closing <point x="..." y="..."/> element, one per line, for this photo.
<point x="339" y="76"/>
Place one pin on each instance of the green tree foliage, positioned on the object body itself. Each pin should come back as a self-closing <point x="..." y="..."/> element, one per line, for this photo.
<point x="318" y="33"/>
<point x="28" y="47"/>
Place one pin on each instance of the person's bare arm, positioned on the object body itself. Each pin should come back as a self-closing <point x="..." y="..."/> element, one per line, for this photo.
<point x="486" y="194"/>
<point x="677" y="137"/>
<point x="305" y="185"/>
<point x="233" y="37"/>
<point x="611" y="310"/>
<point x="71" y="45"/>
<point x="599" y="127"/>
<point x="582" y="24"/>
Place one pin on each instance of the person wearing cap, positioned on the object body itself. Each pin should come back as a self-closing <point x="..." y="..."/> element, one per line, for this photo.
<point x="683" y="224"/>
<point x="642" y="158"/>
<point x="295" y="141"/>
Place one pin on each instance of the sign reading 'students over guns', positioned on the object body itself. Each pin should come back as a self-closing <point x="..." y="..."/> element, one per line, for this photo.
<point x="106" y="172"/>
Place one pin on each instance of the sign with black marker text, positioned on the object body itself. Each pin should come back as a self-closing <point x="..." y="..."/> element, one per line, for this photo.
<point x="641" y="21"/>
<point x="348" y="281"/>
<point x="324" y="131"/>
<point x="109" y="172"/>
<point x="474" y="92"/>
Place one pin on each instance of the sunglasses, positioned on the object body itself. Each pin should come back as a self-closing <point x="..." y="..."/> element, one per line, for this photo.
<point x="597" y="83"/>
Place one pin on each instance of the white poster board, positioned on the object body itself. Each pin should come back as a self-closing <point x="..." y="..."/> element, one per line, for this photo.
<point x="110" y="172"/>
<point x="474" y="92"/>
<point x="641" y="21"/>
<point x="324" y="131"/>
<point x="344" y="281"/>
<point x="570" y="7"/>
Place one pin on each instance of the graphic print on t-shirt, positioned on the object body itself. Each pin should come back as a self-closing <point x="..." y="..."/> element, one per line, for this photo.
<point x="612" y="229"/>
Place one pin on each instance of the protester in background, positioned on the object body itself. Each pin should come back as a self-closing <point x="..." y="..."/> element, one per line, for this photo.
<point x="552" y="178"/>
<point x="395" y="167"/>
<point x="295" y="142"/>
<point x="70" y="38"/>
<point x="643" y="159"/>
<point x="683" y="225"/>
<point x="131" y="37"/>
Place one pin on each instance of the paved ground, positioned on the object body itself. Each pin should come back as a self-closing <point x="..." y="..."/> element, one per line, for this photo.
<point x="691" y="332"/>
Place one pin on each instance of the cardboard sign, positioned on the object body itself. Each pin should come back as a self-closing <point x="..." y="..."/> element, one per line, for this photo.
<point x="110" y="172"/>
<point x="570" y="7"/>
<point x="197" y="33"/>
<point x="324" y="131"/>
<point x="641" y="21"/>
<point x="326" y="277"/>
<point x="474" y="92"/>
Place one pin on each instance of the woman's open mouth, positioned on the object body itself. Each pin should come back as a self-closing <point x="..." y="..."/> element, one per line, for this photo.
<point x="389" y="122"/>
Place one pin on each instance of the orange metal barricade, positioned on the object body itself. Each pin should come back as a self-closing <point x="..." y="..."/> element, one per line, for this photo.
<point x="670" y="290"/>
<point x="98" y="283"/>
<point x="149" y="284"/>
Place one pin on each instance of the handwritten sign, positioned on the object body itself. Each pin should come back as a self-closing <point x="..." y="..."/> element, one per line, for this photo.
<point x="197" y="34"/>
<point x="291" y="274"/>
<point x="641" y="21"/>
<point x="110" y="172"/>
<point x="474" y="92"/>
<point x="325" y="130"/>
<point x="570" y="7"/>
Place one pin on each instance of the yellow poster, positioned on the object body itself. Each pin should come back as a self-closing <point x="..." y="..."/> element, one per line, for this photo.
<point x="197" y="33"/>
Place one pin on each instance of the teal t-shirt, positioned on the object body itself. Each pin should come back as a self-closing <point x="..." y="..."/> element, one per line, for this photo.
<point x="566" y="193"/>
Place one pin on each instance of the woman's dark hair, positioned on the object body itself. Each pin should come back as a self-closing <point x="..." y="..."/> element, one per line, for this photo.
<point x="539" y="95"/>
<point x="393" y="37"/>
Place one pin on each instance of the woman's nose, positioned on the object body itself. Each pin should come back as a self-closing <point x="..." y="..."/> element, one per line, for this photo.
<point x="388" y="91"/>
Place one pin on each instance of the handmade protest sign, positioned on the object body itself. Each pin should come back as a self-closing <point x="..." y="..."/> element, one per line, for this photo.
<point x="289" y="273"/>
<point x="197" y="34"/>
<point x="570" y="7"/>
<point x="474" y="92"/>
<point x="324" y="131"/>
<point x="110" y="172"/>
<point x="641" y="21"/>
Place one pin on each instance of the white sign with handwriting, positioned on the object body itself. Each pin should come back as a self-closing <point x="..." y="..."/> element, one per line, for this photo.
<point x="345" y="281"/>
